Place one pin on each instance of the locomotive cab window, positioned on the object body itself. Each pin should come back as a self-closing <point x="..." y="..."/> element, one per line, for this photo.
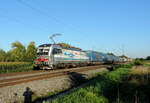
<point x="42" y="53"/>
<point x="57" y="51"/>
<point x="40" y="50"/>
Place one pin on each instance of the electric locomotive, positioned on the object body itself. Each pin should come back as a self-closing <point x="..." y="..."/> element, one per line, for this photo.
<point x="51" y="56"/>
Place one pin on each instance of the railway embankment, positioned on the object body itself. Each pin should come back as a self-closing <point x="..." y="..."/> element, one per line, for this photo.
<point x="15" y="88"/>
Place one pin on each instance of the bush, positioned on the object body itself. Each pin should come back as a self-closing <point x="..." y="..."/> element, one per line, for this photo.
<point x="138" y="62"/>
<point x="129" y="65"/>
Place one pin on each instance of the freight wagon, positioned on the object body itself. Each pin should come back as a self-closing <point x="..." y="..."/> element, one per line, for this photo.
<point x="96" y="57"/>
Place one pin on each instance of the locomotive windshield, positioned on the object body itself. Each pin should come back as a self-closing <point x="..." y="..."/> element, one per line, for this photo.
<point x="42" y="51"/>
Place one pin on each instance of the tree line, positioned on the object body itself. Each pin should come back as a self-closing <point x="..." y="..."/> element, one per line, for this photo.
<point x="19" y="53"/>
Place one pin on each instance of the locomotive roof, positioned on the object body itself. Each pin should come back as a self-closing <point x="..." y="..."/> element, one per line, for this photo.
<point x="71" y="48"/>
<point x="94" y="51"/>
<point x="45" y="45"/>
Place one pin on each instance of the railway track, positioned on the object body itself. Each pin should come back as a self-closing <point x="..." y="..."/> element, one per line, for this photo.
<point x="16" y="78"/>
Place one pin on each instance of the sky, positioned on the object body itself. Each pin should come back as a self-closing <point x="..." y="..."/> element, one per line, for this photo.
<point x="101" y="25"/>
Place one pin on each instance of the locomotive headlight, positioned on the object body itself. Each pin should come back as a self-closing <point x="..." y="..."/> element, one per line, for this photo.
<point x="46" y="59"/>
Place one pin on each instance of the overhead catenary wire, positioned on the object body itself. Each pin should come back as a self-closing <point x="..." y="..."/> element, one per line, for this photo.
<point x="47" y="15"/>
<point x="26" y="4"/>
<point x="14" y="19"/>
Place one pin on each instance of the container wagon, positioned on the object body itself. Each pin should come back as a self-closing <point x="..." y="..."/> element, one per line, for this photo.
<point x="96" y="57"/>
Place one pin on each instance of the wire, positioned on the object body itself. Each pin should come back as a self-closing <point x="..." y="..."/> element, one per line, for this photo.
<point x="22" y="23"/>
<point x="12" y="19"/>
<point x="47" y="15"/>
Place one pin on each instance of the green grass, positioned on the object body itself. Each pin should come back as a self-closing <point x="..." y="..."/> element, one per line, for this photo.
<point x="8" y="67"/>
<point x="129" y="65"/>
<point x="124" y="85"/>
<point x="101" y="89"/>
<point x="147" y="62"/>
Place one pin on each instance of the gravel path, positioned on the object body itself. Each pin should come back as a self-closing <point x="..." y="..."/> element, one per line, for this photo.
<point x="40" y="87"/>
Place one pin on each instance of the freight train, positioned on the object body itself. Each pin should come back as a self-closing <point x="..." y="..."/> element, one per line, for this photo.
<point x="52" y="56"/>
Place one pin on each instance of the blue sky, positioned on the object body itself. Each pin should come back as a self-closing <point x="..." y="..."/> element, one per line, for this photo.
<point x="102" y="25"/>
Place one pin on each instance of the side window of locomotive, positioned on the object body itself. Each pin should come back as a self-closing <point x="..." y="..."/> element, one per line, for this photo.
<point x="57" y="51"/>
<point x="40" y="50"/>
<point x="54" y="51"/>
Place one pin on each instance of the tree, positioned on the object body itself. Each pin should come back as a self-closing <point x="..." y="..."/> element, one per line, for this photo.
<point x="2" y="55"/>
<point x="6" y="56"/>
<point x="9" y="56"/>
<point x="123" y="56"/>
<point x="18" y="51"/>
<point x="138" y="61"/>
<point x="31" y="52"/>
<point x="65" y="45"/>
<point x="111" y="54"/>
<point x="148" y="58"/>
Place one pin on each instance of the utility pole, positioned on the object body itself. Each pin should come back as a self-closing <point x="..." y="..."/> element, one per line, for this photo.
<point x="52" y="37"/>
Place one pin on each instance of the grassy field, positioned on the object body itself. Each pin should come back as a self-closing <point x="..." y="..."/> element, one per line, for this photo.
<point x="147" y="62"/>
<point x="8" y="67"/>
<point x="127" y="84"/>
